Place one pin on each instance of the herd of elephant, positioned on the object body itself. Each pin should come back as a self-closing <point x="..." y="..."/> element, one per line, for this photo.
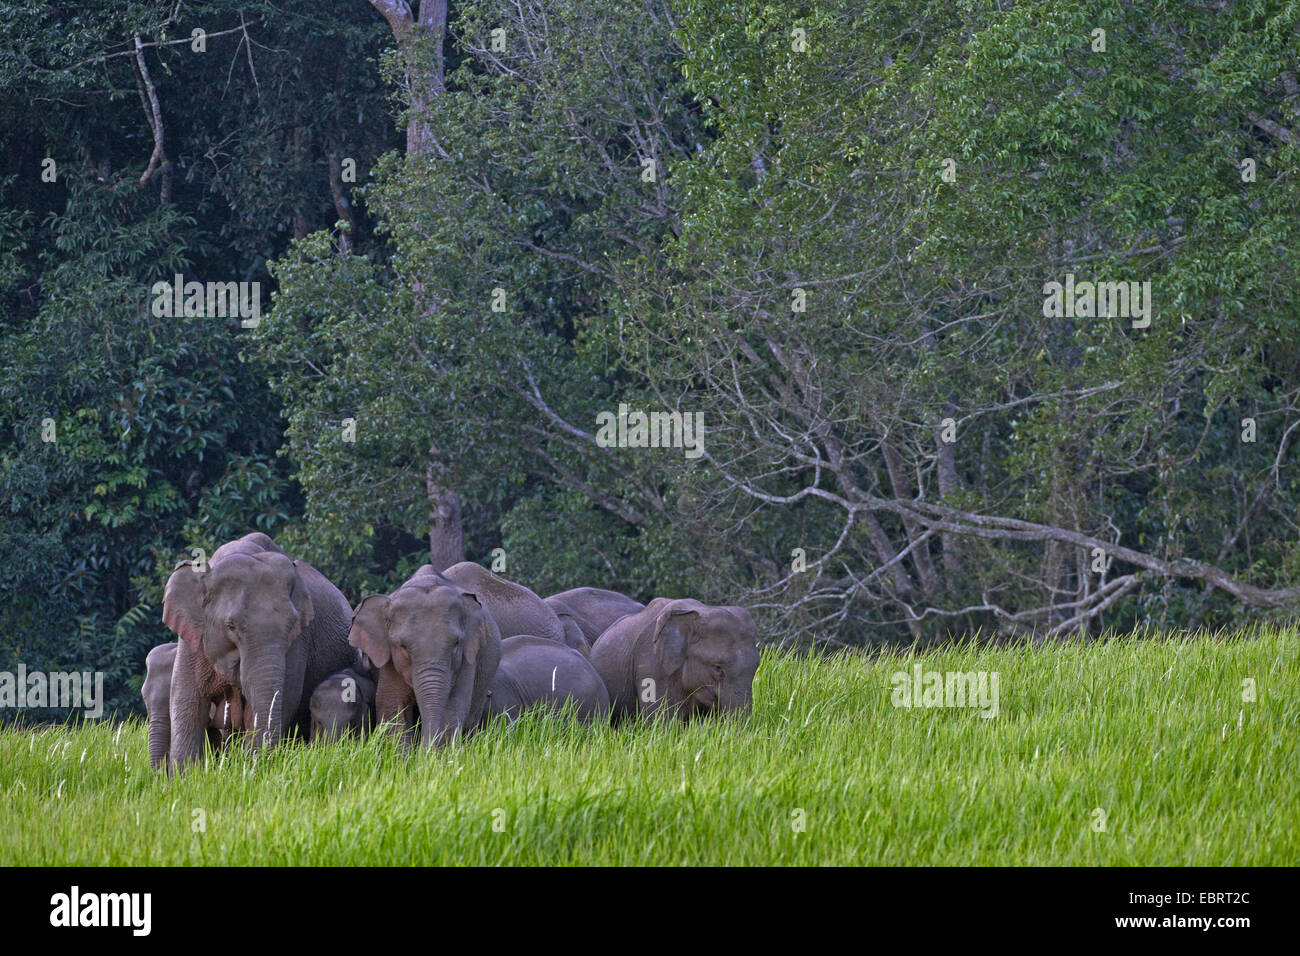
<point x="269" y="646"/>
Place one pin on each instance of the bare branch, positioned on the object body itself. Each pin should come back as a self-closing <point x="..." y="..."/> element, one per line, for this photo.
<point x="158" y="160"/>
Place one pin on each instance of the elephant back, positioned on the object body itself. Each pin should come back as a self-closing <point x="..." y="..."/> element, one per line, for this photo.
<point x="515" y="608"/>
<point x="595" y="609"/>
<point x="534" y="670"/>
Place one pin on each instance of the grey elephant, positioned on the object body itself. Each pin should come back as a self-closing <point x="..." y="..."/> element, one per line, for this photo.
<point x="225" y="717"/>
<point x="515" y="608"/>
<point x="257" y="622"/>
<point x="592" y="610"/>
<point x="342" y="704"/>
<point x="535" y="672"/>
<point x="679" y="657"/>
<point x="436" y="649"/>
<point x="574" y="638"/>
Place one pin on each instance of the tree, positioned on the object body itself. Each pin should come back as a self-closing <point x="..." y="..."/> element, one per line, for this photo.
<point x="932" y="440"/>
<point x="139" y="151"/>
<point x="542" y="130"/>
<point x="420" y="39"/>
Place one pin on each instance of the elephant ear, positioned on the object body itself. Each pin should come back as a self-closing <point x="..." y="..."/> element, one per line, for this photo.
<point x="183" y="601"/>
<point x="369" y="630"/>
<point x="481" y="623"/>
<point x="673" y="629"/>
<point x="363" y="665"/>
<point x="301" y="598"/>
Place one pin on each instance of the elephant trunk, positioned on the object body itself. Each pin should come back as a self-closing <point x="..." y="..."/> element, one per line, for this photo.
<point x="432" y="686"/>
<point x="265" y="691"/>
<point x="160" y="737"/>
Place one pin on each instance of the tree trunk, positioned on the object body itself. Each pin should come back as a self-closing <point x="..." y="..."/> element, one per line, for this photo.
<point x="446" y="533"/>
<point x="903" y="489"/>
<point x="420" y="39"/>
<point x="342" y="206"/>
<point x="950" y="484"/>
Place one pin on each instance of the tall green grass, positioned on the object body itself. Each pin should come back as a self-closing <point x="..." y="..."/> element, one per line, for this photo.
<point x="1154" y="734"/>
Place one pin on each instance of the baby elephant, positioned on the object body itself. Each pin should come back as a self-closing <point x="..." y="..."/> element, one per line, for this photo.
<point x="342" y="704"/>
<point x="225" y="716"/>
<point x="536" y="672"/>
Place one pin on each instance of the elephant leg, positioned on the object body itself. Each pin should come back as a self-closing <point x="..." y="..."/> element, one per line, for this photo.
<point x="297" y="695"/>
<point x="395" y="701"/>
<point x="188" y="709"/>
<point x="460" y="718"/>
<point x="410" y="734"/>
<point x="234" y="707"/>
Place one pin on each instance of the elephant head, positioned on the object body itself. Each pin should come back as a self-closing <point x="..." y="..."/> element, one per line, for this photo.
<point x="244" y="614"/>
<point x="708" y="655"/>
<point x="340" y="705"/>
<point x="439" y="642"/>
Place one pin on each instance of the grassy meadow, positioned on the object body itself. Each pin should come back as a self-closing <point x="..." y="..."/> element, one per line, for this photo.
<point x="1118" y="752"/>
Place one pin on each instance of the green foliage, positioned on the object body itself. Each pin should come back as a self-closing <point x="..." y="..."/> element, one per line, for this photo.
<point x="926" y="295"/>
<point x="526" y="275"/>
<point x="534" y="189"/>
<point x="147" y="432"/>
<point x="165" y="439"/>
<point x="787" y="165"/>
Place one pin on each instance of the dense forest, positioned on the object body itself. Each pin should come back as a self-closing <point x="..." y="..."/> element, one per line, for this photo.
<point x="974" y="316"/>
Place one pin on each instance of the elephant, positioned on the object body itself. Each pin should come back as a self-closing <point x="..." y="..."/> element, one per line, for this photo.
<point x="342" y="704"/>
<point x="225" y="717"/>
<point x="515" y="608"/>
<point x="254" y="621"/>
<point x="679" y="657"/>
<point x="535" y="671"/>
<point x="574" y="638"/>
<point x="436" y="648"/>
<point x="592" y="609"/>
